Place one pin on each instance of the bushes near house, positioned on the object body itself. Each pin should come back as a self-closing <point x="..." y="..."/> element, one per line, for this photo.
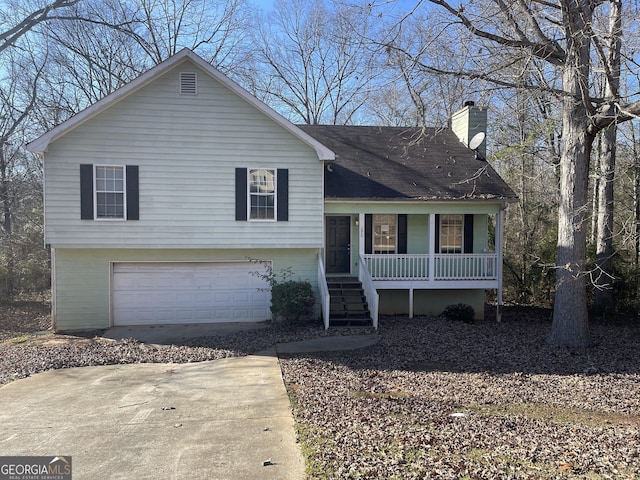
<point x="459" y="312"/>
<point x="292" y="300"/>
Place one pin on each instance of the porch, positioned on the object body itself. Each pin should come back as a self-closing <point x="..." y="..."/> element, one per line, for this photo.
<point x="433" y="271"/>
<point x="416" y="252"/>
<point x="408" y="272"/>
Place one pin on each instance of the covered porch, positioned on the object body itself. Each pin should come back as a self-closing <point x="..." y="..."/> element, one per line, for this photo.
<point x="452" y="247"/>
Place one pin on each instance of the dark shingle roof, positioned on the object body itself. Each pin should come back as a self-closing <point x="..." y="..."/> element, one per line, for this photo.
<point x="400" y="163"/>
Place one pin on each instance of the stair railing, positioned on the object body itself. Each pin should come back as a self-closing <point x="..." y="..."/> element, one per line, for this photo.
<point x="325" y="299"/>
<point x="370" y="291"/>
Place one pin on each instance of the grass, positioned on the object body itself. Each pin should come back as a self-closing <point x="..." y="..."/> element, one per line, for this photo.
<point x="388" y="395"/>
<point x="556" y="415"/>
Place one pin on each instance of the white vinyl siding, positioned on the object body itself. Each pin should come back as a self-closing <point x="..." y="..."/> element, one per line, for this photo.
<point x="188" y="149"/>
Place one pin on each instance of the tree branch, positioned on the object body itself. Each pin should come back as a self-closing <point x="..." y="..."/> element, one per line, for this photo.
<point x="546" y="49"/>
<point x="10" y="36"/>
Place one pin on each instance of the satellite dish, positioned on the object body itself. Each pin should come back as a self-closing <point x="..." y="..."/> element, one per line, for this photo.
<point x="476" y="141"/>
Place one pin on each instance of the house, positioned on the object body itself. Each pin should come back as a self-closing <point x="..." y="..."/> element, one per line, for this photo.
<point x="157" y="196"/>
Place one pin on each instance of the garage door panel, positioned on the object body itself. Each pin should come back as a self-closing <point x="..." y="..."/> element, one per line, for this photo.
<point x="171" y="293"/>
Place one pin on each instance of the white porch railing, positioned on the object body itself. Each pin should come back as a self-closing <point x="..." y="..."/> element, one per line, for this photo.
<point x="370" y="291"/>
<point x="452" y="266"/>
<point x="325" y="300"/>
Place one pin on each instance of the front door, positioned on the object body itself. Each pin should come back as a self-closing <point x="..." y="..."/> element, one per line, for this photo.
<point x="338" y="244"/>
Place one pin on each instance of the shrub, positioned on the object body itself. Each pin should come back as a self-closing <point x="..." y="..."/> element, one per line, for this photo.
<point x="291" y="300"/>
<point x="459" y="312"/>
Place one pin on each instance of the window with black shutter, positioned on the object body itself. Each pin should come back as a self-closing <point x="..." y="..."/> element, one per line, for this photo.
<point x="109" y="192"/>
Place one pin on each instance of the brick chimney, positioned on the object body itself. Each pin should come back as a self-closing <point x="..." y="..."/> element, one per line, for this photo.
<point x="469" y="121"/>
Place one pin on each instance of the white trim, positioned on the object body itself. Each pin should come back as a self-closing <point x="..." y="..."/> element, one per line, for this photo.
<point x="41" y="144"/>
<point x="124" y="194"/>
<point x="373" y="233"/>
<point x="54" y="289"/>
<point x="275" y="195"/>
<point x="462" y="233"/>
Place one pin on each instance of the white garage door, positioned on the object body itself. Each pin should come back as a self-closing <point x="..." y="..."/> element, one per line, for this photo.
<point x="172" y="293"/>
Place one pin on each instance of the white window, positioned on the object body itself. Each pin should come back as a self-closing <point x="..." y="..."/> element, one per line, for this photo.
<point x="451" y="233"/>
<point x="262" y="194"/>
<point x="385" y="233"/>
<point x="110" y="192"/>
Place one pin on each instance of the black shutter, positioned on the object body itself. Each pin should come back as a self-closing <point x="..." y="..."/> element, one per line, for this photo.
<point x="283" y="195"/>
<point x="86" y="192"/>
<point x="437" y="236"/>
<point x="402" y="233"/>
<point x="241" y="194"/>
<point x="133" y="193"/>
<point x="368" y="233"/>
<point x="468" y="234"/>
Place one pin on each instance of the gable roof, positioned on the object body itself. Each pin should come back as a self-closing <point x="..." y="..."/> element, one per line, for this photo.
<point x="41" y="144"/>
<point x="404" y="163"/>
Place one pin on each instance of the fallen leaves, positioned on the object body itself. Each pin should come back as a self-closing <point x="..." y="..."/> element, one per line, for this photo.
<point x="478" y="401"/>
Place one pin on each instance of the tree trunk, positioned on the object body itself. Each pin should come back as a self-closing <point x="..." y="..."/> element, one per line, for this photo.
<point x="570" y="316"/>
<point x="603" y="299"/>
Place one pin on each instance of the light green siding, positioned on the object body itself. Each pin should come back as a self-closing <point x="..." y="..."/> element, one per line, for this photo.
<point x="418" y="234"/>
<point x="82" y="284"/>
<point x="187" y="149"/>
<point x="430" y="302"/>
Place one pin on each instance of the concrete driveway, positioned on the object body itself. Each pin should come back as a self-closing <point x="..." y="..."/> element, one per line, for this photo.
<point x="224" y="419"/>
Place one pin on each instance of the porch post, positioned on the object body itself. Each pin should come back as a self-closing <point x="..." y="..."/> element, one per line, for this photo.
<point x="360" y="234"/>
<point x="432" y="246"/>
<point x="500" y="253"/>
<point x="410" y="302"/>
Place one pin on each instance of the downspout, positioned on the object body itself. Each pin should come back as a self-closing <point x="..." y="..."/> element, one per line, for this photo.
<point x="500" y="255"/>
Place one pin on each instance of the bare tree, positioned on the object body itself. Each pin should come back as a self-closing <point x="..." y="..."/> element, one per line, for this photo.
<point x="19" y="19"/>
<point x="312" y="60"/>
<point x="213" y="29"/>
<point x="19" y="172"/>
<point x="561" y="35"/>
<point x="609" y="50"/>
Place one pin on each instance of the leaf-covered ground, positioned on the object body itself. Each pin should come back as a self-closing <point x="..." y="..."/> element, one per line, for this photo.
<point x="434" y="399"/>
<point x="446" y="400"/>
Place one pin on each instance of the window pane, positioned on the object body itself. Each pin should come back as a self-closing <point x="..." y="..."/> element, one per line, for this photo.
<point x="262" y="194"/>
<point x="451" y="233"/>
<point x="110" y="205"/>
<point x="262" y="207"/>
<point x="109" y="192"/>
<point x="385" y="229"/>
<point x="262" y="181"/>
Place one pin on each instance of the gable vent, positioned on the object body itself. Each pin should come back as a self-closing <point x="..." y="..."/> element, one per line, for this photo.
<point x="188" y="83"/>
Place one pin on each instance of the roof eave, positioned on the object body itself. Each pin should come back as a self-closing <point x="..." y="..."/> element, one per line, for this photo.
<point x="496" y="199"/>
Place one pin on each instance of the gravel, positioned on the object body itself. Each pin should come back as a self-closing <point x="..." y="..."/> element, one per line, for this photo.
<point x="433" y="399"/>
